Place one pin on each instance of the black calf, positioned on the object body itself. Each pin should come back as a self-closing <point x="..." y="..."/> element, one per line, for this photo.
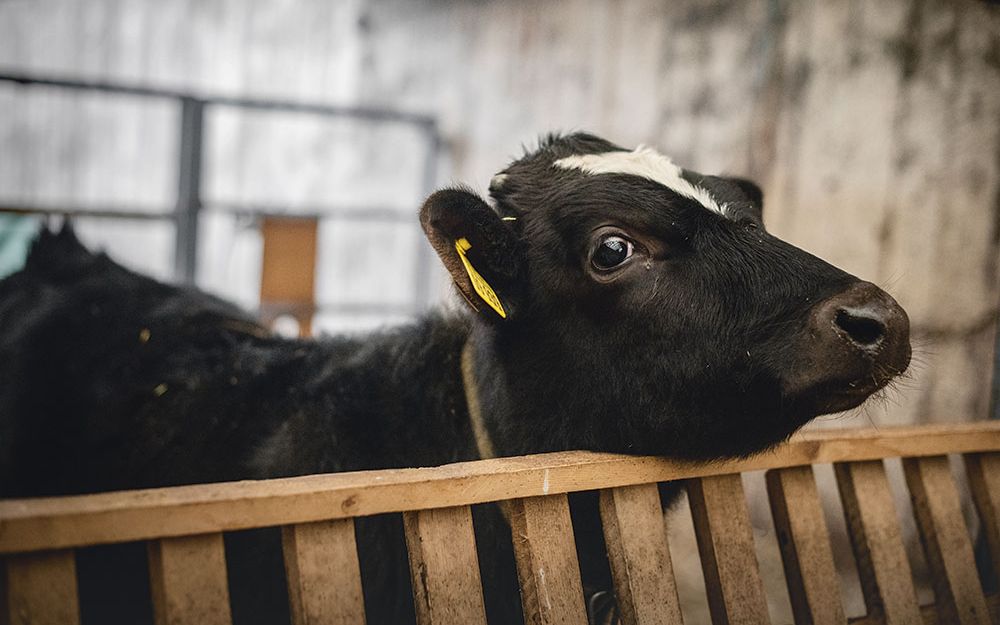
<point x="620" y="303"/>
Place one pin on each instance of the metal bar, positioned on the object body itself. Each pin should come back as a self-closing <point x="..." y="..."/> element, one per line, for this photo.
<point x="99" y="212"/>
<point x="188" y="189"/>
<point x="347" y="213"/>
<point x="354" y="112"/>
<point x="332" y="110"/>
<point x="109" y="211"/>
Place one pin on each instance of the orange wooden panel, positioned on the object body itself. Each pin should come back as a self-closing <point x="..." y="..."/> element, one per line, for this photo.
<point x="547" y="566"/>
<point x="813" y="584"/>
<point x="639" y="555"/>
<point x="324" y="577"/>
<point x="187" y="576"/>
<point x="288" y="274"/>
<point x="41" y="589"/>
<point x="883" y="568"/>
<point x="725" y="542"/>
<point x="444" y="567"/>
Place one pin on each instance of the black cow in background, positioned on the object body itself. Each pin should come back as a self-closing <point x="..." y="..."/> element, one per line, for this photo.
<point x="618" y="303"/>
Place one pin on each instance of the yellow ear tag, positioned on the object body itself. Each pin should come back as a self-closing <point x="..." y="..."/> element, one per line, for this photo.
<point x="484" y="290"/>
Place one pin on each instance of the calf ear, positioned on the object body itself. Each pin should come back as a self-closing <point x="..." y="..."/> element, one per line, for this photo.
<point x="481" y="251"/>
<point x="753" y="193"/>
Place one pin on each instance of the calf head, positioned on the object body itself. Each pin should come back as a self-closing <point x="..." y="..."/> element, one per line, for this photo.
<point x="626" y="304"/>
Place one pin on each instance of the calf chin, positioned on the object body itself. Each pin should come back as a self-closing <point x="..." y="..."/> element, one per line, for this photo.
<point x="853" y="344"/>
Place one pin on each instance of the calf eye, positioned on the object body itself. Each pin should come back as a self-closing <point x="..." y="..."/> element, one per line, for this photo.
<point x="610" y="252"/>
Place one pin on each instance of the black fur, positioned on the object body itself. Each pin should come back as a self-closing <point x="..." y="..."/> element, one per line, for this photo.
<point x="115" y="381"/>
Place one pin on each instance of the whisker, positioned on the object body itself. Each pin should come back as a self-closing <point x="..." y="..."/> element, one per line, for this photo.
<point x="892" y="280"/>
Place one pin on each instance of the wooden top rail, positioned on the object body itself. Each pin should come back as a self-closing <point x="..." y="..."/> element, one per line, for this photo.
<point x="64" y="522"/>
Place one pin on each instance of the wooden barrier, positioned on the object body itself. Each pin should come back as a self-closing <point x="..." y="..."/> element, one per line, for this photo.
<point x="184" y="526"/>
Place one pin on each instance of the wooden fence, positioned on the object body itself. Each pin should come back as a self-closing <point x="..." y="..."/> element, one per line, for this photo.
<point x="184" y="525"/>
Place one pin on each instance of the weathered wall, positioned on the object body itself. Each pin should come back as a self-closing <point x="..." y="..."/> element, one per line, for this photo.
<point x="872" y="126"/>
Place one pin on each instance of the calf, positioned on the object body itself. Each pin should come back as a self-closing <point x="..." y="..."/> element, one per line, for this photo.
<point x="617" y="303"/>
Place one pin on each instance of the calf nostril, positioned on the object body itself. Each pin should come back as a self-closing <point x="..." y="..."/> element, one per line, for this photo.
<point x="863" y="329"/>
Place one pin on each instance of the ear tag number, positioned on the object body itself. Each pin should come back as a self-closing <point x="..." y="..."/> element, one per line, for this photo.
<point x="483" y="288"/>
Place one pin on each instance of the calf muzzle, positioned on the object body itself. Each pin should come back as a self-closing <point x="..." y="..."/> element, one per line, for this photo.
<point x="861" y="340"/>
<point x="869" y="322"/>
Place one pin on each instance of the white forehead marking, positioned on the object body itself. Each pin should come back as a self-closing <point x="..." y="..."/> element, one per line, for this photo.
<point x="497" y="181"/>
<point x="646" y="163"/>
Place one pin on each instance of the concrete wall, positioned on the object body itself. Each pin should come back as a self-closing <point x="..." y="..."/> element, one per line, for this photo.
<point x="873" y="127"/>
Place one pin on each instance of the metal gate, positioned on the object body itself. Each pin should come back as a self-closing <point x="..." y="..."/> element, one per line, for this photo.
<point x="190" y="205"/>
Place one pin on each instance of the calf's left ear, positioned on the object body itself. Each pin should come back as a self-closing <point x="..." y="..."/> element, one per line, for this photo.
<point x="481" y="252"/>
<point x="753" y="193"/>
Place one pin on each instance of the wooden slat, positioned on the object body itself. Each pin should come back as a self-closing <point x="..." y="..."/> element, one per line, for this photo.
<point x="187" y="576"/>
<point x="929" y="614"/>
<point x="50" y="523"/>
<point x="813" y="583"/>
<point x="444" y="567"/>
<point x="640" y="558"/>
<point x="725" y="543"/>
<point x="547" y="566"/>
<point x="884" y="571"/>
<point x="938" y="510"/>
<point x="41" y="589"/>
<point x="984" y="482"/>
<point x="324" y="577"/>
